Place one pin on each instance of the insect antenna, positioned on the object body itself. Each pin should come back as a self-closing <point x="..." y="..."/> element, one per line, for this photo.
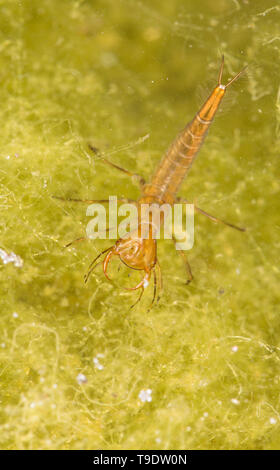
<point x="237" y="76"/>
<point x="81" y="239"/>
<point x="221" y="70"/>
<point x="92" y="265"/>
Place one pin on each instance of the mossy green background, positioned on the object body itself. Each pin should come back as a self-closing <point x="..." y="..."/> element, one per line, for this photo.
<point x="123" y="75"/>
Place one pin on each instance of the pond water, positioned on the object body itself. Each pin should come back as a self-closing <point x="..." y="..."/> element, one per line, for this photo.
<point x="126" y="76"/>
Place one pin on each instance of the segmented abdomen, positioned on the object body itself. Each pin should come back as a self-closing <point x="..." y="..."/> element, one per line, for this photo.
<point x="179" y="158"/>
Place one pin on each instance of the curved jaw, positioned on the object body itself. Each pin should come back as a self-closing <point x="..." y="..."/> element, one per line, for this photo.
<point x="136" y="253"/>
<point x="148" y="269"/>
<point x="142" y="284"/>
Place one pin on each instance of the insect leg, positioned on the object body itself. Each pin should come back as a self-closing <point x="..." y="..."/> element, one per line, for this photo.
<point x="187" y="264"/>
<point x="155" y="290"/>
<point x="92" y="201"/>
<point x="156" y="287"/>
<point x="138" y="300"/>
<point x="212" y="217"/>
<point x="139" y="178"/>
<point x="160" y="280"/>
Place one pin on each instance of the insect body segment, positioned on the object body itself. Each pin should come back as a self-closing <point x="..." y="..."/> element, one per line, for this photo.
<point x="182" y="152"/>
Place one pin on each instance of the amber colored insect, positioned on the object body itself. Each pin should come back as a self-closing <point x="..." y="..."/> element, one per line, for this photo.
<point x="141" y="253"/>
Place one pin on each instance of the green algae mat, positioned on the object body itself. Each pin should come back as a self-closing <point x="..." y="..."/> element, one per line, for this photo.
<point x="79" y="368"/>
